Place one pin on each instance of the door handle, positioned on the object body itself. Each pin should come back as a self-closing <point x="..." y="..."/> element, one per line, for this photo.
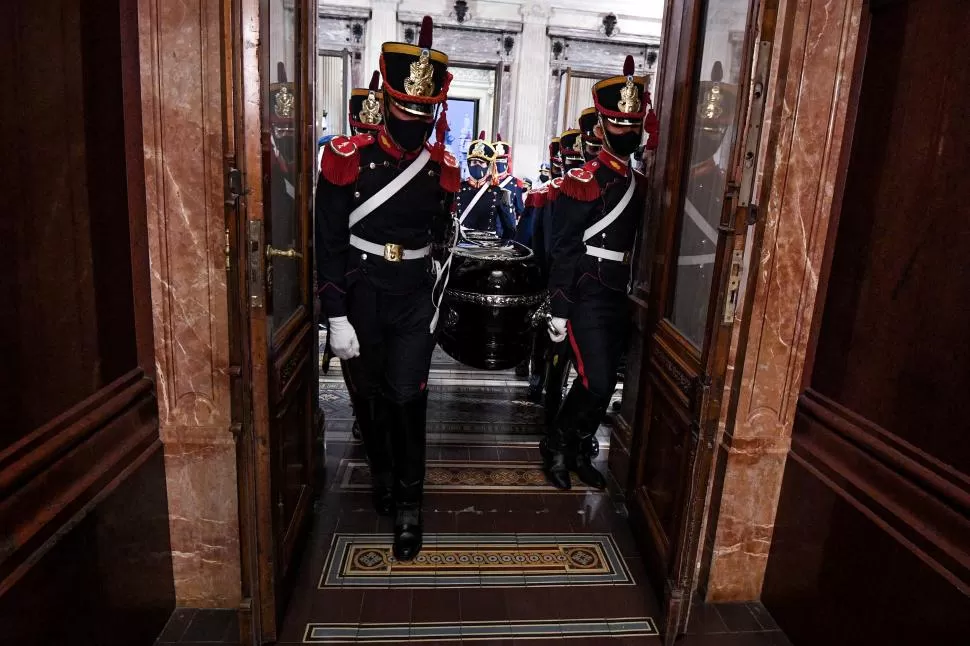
<point x="272" y="252"/>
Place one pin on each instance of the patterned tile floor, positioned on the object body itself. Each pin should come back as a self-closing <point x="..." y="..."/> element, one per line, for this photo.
<point x="532" y="565"/>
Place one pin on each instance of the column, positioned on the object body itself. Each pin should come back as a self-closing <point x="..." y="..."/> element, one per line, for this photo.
<point x="381" y="28"/>
<point x="183" y="128"/>
<point x="801" y="183"/>
<point x="531" y="83"/>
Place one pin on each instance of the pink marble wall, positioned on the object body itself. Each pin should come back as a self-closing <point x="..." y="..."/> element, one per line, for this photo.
<point x="180" y="49"/>
<point x="812" y="71"/>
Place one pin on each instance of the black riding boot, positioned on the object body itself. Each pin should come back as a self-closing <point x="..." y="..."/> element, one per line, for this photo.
<point x="581" y="415"/>
<point x="553" y="448"/>
<point x="557" y="373"/>
<point x="537" y="366"/>
<point x="408" y="441"/>
<point x="375" y="429"/>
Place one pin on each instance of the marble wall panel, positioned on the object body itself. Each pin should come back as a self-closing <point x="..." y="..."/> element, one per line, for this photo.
<point x="807" y="113"/>
<point x="181" y="68"/>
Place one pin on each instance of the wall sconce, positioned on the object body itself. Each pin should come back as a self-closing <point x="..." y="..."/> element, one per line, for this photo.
<point x="557" y="49"/>
<point x="609" y="24"/>
<point x="357" y="31"/>
<point x="507" y="44"/>
<point x="409" y="35"/>
<point x="651" y="57"/>
<point x="461" y="10"/>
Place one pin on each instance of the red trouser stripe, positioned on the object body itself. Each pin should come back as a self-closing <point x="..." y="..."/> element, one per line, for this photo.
<point x="579" y="357"/>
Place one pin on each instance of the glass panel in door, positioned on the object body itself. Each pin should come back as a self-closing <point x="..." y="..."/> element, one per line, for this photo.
<point x="281" y="103"/>
<point x="713" y="128"/>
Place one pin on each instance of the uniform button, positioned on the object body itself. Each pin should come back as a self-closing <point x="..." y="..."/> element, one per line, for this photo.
<point x="599" y="260"/>
<point x="373" y="165"/>
<point x="363" y="256"/>
<point x="357" y="195"/>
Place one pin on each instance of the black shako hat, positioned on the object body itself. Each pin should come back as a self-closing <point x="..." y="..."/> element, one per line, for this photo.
<point x="622" y="100"/>
<point x="416" y="77"/>
<point x="365" y="105"/>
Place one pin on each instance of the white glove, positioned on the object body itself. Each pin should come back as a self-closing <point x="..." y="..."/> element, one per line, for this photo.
<point x="343" y="338"/>
<point x="557" y="329"/>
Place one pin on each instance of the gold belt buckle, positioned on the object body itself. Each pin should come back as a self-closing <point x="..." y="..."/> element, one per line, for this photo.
<point x="626" y="257"/>
<point x="393" y="252"/>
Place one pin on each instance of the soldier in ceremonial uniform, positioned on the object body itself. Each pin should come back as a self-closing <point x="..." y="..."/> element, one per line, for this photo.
<point x="365" y="112"/>
<point x="365" y="116"/>
<point x="505" y="178"/>
<point x="482" y="204"/>
<point x="382" y="200"/>
<point x="596" y="223"/>
<point x="592" y="143"/>
<point x="702" y="206"/>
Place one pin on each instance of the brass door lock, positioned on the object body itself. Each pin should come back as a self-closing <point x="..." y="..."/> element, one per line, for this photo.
<point x="272" y="252"/>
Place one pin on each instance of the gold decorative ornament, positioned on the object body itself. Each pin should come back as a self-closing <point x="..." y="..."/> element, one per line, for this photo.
<point x="284" y="103"/>
<point x="419" y="82"/>
<point x="629" y="97"/>
<point x="370" y="110"/>
<point x="712" y="104"/>
<point x="478" y="150"/>
<point x="578" y="145"/>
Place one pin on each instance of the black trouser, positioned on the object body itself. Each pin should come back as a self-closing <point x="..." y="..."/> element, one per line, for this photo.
<point x="389" y="379"/>
<point x="598" y="328"/>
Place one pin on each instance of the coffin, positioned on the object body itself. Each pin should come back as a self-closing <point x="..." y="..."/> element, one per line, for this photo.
<point x="490" y="306"/>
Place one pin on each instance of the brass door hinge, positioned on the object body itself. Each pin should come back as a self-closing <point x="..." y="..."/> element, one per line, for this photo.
<point x="733" y="287"/>
<point x="254" y="253"/>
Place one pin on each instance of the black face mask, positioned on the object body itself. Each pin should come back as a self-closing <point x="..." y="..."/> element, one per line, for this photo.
<point x="476" y="171"/>
<point x="409" y="135"/>
<point x="501" y="166"/>
<point x="623" y="145"/>
<point x="544" y="176"/>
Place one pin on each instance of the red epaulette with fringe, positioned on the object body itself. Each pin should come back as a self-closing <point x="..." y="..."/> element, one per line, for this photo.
<point x="553" y="191"/>
<point x="580" y="184"/>
<point x="341" y="159"/>
<point x="450" y="173"/>
<point x="536" y="199"/>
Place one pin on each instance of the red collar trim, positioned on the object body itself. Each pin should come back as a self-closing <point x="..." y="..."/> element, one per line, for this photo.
<point x="477" y="183"/>
<point x="391" y="148"/>
<point x="612" y="162"/>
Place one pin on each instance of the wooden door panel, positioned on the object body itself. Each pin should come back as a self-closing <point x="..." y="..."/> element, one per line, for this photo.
<point x="273" y="132"/>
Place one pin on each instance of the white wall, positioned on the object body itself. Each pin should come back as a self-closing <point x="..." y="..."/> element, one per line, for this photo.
<point x="530" y="116"/>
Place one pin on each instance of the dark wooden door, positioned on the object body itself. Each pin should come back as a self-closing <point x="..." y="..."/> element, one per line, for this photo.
<point x="698" y="223"/>
<point x="874" y="512"/>
<point x="270" y="183"/>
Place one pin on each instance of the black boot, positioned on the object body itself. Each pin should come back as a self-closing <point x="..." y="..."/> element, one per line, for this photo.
<point x="580" y="416"/>
<point x="553" y="449"/>
<point x="375" y="430"/>
<point x="409" y="463"/>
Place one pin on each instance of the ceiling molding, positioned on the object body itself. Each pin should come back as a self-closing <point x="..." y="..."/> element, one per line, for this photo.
<point x="474" y="24"/>
<point x="571" y="33"/>
<point x="343" y="13"/>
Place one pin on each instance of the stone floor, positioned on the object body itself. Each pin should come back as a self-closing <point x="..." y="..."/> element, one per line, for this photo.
<point x="506" y="557"/>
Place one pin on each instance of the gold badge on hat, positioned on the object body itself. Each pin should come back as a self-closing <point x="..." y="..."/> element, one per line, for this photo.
<point x="419" y="82"/>
<point x="370" y="110"/>
<point x="578" y="145"/>
<point x="284" y="103"/>
<point x="499" y="150"/>
<point x="712" y="104"/>
<point x="478" y="150"/>
<point x="629" y="97"/>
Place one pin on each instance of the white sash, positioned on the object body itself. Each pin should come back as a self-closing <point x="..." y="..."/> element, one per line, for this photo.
<point x="391" y="189"/>
<point x="611" y="217"/>
<point x="505" y="182"/>
<point x="468" y="209"/>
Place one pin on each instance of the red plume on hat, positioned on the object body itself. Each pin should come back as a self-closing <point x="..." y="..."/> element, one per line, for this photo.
<point x="424" y="39"/>
<point x="375" y="81"/>
<point x="481" y="135"/>
<point x="628" y="66"/>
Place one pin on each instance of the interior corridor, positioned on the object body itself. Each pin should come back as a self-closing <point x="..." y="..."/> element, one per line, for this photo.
<point x="506" y="556"/>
